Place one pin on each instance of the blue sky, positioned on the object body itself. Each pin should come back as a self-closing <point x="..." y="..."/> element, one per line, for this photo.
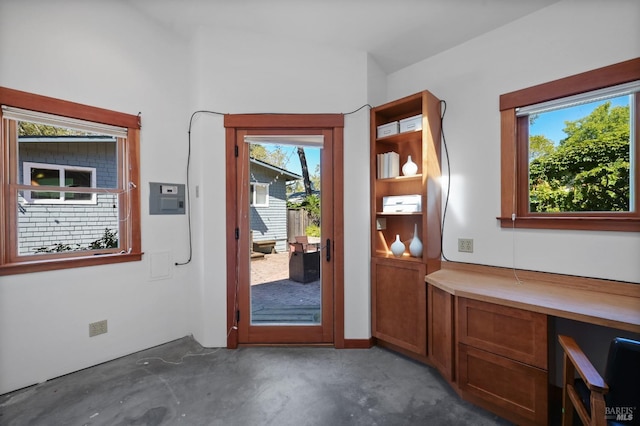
<point x="550" y="124"/>
<point x="293" y="165"/>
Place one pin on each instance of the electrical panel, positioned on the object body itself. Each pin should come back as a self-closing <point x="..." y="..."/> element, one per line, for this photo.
<point x="166" y="198"/>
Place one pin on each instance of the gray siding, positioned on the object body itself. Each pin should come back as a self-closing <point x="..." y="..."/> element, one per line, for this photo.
<point x="270" y="223"/>
<point x="100" y="155"/>
<point x="41" y="225"/>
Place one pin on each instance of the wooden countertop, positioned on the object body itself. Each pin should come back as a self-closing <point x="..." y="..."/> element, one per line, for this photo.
<point x="608" y="303"/>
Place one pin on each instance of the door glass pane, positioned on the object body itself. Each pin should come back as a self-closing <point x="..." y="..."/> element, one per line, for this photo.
<point x="285" y="239"/>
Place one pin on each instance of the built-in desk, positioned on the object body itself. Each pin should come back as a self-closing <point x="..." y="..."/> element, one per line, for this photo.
<point x="608" y="303"/>
<point x="494" y="325"/>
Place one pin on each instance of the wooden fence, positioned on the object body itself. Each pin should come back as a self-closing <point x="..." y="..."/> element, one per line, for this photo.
<point x="297" y="222"/>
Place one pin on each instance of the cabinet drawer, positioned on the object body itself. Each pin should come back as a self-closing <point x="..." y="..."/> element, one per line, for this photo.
<point x="511" y="389"/>
<point x="517" y="334"/>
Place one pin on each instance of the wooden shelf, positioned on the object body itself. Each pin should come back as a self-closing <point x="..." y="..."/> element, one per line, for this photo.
<point x="401" y="178"/>
<point x="398" y="214"/>
<point x="401" y="137"/>
<point x="404" y="258"/>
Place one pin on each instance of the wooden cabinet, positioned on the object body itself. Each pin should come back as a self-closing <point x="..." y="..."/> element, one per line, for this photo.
<point x="395" y="319"/>
<point x="399" y="303"/>
<point x="502" y="360"/>
<point x="441" y="332"/>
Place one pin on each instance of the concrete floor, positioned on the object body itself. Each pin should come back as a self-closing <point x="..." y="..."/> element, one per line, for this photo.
<point x="181" y="383"/>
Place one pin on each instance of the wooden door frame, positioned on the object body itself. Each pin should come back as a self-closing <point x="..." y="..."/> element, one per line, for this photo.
<point x="284" y="122"/>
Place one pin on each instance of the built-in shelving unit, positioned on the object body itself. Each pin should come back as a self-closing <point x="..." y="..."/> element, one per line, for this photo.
<point x="398" y="288"/>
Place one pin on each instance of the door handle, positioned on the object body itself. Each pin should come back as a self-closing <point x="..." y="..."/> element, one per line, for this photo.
<point x="328" y="250"/>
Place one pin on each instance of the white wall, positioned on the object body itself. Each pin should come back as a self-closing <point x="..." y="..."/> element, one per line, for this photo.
<point x="242" y="72"/>
<point x="106" y="55"/>
<point x="561" y="40"/>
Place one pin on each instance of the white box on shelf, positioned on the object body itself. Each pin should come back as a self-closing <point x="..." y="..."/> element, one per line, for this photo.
<point x="388" y="129"/>
<point x="411" y="124"/>
<point x="402" y="204"/>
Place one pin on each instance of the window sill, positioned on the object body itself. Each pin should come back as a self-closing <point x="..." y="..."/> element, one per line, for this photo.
<point x="75" y="262"/>
<point x="626" y="224"/>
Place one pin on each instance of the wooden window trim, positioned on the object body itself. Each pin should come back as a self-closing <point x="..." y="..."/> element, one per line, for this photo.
<point x="11" y="264"/>
<point x="514" y="154"/>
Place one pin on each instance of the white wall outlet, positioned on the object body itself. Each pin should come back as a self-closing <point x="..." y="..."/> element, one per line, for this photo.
<point x="98" y="327"/>
<point x="465" y="245"/>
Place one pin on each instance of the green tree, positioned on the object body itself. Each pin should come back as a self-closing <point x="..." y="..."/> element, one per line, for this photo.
<point x="589" y="170"/>
<point x="539" y="146"/>
<point x="315" y="178"/>
<point x="276" y="156"/>
<point x="26" y="128"/>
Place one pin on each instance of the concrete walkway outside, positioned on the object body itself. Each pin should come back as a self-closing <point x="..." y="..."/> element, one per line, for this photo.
<point x="276" y="298"/>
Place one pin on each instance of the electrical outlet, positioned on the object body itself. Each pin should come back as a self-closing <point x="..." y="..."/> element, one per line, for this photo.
<point x="96" y="328"/>
<point x="465" y="245"/>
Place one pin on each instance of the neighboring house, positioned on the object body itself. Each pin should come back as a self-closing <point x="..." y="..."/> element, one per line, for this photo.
<point x="268" y="201"/>
<point x="299" y="197"/>
<point x="50" y="218"/>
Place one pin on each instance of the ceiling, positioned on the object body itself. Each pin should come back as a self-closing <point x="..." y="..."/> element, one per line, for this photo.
<point x="397" y="33"/>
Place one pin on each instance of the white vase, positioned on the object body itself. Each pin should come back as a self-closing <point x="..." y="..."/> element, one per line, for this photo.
<point x="397" y="248"/>
<point x="409" y="168"/>
<point x="415" y="248"/>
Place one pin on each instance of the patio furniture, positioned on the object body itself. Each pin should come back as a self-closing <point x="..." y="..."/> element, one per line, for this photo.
<point x="304" y="266"/>
<point x="266" y="247"/>
<point x="306" y="245"/>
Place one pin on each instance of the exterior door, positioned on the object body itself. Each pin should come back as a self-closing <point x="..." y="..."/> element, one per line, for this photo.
<point x="283" y="287"/>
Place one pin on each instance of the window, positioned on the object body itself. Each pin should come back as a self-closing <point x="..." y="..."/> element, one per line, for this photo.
<point x="63" y="176"/>
<point x="259" y="196"/>
<point x="69" y="184"/>
<point x="570" y="152"/>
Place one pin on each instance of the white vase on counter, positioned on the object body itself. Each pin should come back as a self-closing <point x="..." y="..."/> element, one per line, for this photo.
<point x="409" y="168"/>
<point x="397" y="248"/>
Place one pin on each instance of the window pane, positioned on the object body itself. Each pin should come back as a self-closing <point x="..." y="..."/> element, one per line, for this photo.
<point x="77" y="178"/>
<point x="47" y="177"/>
<point x="579" y="158"/>
<point x="261" y="195"/>
<point x="46" y="144"/>
<point x="55" y="228"/>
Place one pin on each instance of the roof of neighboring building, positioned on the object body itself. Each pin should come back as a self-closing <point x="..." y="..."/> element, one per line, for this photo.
<point x="286" y="173"/>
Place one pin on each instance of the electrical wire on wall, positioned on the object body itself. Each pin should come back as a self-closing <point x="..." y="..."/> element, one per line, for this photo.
<point x="356" y="110"/>
<point x="189" y="166"/>
<point x="188" y="187"/>
<point x="443" y="110"/>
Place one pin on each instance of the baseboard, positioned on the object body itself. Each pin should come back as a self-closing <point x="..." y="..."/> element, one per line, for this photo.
<point x="358" y="343"/>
